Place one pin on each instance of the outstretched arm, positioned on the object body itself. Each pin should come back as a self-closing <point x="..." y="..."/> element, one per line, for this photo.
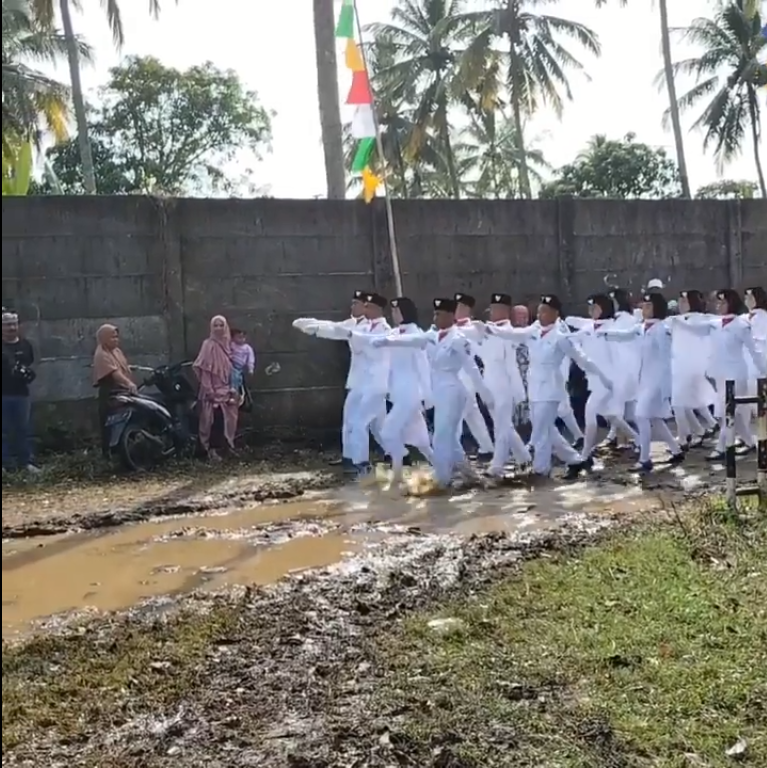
<point x="569" y="349"/>
<point x="412" y="340"/>
<point x="700" y="326"/>
<point x="515" y="335"/>
<point x="579" y="323"/>
<point x="622" y="334"/>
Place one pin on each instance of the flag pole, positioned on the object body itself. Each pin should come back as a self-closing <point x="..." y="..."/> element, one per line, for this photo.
<point x="379" y="148"/>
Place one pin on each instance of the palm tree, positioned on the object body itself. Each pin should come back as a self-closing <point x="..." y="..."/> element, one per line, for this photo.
<point x="668" y="77"/>
<point x="534" y="66"/>
<point x="727" y="72"/>
<point x="45" y="11"/>
<point x="420" y="69"/>
<point x="493" y="156"/>
<point x="327" y="94"/>
<point x="32" y="100"/>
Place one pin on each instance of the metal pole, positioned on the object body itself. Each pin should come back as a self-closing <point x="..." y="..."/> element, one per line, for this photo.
<point x="761" y="436"/>
<point x="730" y="463"/>
<point x="379" y="147"/>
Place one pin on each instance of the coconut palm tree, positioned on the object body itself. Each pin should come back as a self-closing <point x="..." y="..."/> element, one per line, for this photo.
<point x="327" y="95"/>
<point x="670" y="85"/>
<point x="420" y="70"/>
<point x="728" y="76"/>
<point x="492" y="156"/>
<point x="31" y="100"/>
<point x="45" y="11"/>
<point x="534" y="65"/>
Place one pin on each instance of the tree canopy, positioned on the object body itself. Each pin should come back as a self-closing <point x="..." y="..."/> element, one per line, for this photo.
<point x="160" y="130"/>
<point x="622" y="169"/>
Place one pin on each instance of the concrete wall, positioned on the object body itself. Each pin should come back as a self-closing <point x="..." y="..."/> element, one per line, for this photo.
<point x="160" y="269"/>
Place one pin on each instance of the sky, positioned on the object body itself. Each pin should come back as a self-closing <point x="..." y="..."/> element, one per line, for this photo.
<point x="271" y="46"/>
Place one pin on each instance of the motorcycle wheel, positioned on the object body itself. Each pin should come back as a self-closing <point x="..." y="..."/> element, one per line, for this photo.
<point x="138" y="453"/>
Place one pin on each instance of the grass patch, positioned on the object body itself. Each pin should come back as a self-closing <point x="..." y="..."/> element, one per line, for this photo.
<point x="76" y="685"/>
<point x="650" y="650"/>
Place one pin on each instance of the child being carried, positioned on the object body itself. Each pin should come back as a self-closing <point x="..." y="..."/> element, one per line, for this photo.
<point x="243" y="360"/>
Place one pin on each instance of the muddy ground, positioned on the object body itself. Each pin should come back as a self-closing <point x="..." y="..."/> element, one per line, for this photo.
<point x="78" y="495"/>
<point x="89" y="496"/>
<point x="285" y="678"/>
<point x="264" y="677"/>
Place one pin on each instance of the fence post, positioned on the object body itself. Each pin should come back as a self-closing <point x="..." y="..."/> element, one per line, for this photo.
<point x="730" y="458"/>
<point x="761" y="436"/>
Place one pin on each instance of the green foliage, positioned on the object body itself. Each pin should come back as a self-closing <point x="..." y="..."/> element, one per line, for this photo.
<point x="623" y="169"/>
<point x="729" y="74"/>
<point x="31" y="99"/>
<point x="728" y="190"/>
<point x="159" y="130"/>
<point x="440" y="61"/>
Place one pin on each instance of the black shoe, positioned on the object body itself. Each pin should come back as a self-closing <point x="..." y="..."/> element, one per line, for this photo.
<point x="484" y="457"/>
<point x="578" y="444"/>
<point x="676" y="458"/>
<point x="337" y="462"/>
<point x="407" y="461"/>
<point x="643" y="467"/>
<point x="574" y="470"/>
<point x="715" y="456"/>
<point x="746" y="450"/>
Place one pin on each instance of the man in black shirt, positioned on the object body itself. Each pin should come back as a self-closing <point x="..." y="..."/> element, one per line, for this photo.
<point x="18" y="357"/>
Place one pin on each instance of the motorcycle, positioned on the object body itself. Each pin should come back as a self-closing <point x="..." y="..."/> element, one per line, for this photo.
<point x="145" y="429"/>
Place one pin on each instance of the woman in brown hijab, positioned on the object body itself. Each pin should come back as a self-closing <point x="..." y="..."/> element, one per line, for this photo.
<point x="111" y="374"/>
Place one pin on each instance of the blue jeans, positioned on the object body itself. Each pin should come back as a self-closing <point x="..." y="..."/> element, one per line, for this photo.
<point x="17" y="443"/>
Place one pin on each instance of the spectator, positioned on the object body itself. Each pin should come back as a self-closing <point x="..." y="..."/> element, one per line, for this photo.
<point x="111" y="375"/>
<point x="18" y="375"/>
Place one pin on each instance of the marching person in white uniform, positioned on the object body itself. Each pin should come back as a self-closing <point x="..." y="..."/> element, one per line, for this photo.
<point x="756" y="302"/>
<point x="731" y="340"/>
<point x="355" y="380"/>
<point x="473" y="331"/>
<point x="652" y="341"/>
<point x="603" y="401"/>
<point x="504" y="381"/>
<point x="449" y="353"/>
<point x="548" y="346"/>
<point x="691" y="392"/>
<point x="409" y="385"/>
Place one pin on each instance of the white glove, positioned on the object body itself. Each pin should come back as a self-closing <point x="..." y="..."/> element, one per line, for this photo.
<point x="378" y="341"/>
<point x="302" y="323"/>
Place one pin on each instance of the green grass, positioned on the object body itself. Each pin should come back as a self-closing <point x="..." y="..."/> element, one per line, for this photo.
<point x="79" y="684"/>
<point x="648" y="651"/>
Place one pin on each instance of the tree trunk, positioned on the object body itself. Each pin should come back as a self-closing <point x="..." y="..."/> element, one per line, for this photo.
<point x="752" y="109"/>
<point x="524" y="174"/>
<point x="455" y="183"/>
<point x="86" y="158"/>
<point x="673" y="106"/>
<point x="327" y="93"/>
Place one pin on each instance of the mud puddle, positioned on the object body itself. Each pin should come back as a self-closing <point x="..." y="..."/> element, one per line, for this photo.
<point x="128" y="565"/>
<point x="115" y="569"/>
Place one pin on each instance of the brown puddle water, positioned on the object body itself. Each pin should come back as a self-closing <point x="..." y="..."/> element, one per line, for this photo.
<point x="117" y="568"/>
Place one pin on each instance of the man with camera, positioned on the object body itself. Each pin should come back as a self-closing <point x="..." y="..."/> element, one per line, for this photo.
<point x="18" y="358"/>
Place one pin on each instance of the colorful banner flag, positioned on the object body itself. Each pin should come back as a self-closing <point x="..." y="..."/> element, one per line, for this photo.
<point x="345" y="25"/>
<point x="353" y="57"/>
<point x="363" y="122"/>
<point x="364" y="126"/>
<point x="359" y="93"/>
<point x="362" y="155"/>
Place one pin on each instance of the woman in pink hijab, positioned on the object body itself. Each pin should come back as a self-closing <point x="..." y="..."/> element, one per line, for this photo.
<point x="213" y="367"/>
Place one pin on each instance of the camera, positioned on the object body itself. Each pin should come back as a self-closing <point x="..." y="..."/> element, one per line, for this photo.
<point x="23" y="373"/>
